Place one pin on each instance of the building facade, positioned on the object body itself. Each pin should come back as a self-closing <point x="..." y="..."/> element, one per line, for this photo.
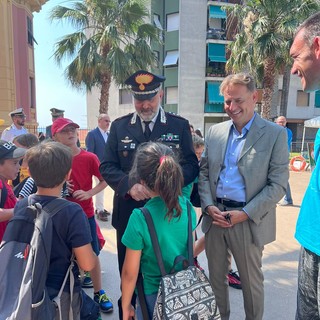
<point x="17" y="71"/>
<point x="193" y="58"/>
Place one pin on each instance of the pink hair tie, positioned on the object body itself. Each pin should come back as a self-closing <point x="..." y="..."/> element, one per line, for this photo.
<point x="161" y="159"/>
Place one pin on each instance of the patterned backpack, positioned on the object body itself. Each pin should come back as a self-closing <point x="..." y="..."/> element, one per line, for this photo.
<point x="182" y="295"/>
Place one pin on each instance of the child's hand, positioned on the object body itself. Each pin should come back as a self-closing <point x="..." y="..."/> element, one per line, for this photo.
<point x="128" y="314"/>
<point x="70" y="186"/>
<point x="81" y="195"/>
<point x="139" y="192"/>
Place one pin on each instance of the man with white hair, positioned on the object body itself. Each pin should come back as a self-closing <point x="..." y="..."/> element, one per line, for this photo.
<point x="149" y="122"/>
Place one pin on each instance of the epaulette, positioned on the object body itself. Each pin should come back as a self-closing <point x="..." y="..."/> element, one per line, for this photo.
<point x="6" y="129"/>
<point x="175" y="115"/>
<point x="124" y="117"/>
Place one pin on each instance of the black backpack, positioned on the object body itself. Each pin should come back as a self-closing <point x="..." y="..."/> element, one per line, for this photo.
<point x="25" y="259"/>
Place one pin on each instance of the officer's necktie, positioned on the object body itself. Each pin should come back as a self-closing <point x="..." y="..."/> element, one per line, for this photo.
<point x="147" y="131"/>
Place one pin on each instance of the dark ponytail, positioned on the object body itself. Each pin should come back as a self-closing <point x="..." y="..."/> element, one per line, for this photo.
<point x="157" y="166"/>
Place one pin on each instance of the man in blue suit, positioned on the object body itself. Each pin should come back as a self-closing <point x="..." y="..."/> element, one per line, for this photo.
<point x="96" y="143"/>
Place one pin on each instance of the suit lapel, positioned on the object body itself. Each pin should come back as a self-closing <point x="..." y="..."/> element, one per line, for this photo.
<point x="99" y="134"/>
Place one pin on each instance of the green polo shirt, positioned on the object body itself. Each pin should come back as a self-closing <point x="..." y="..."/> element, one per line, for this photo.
<point x="172" y="237"/>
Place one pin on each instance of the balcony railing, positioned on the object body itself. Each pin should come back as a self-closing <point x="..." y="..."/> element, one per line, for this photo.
<point x="218" y="34"/>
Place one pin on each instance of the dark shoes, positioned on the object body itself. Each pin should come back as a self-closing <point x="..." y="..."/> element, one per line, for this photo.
<point x="234" y="280"/>
<point x="87" y="281"/>
<point x="102" y="215"/>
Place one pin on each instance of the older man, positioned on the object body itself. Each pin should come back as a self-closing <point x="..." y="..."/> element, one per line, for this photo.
<point x="17" y="128"/>
<point x="243" y="174"/>
<point x="305" y="52"/>
<point x="149" y="122"/>
<point x="96" y="141"/>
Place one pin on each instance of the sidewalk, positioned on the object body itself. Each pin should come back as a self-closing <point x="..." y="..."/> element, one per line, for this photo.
<point x="280" y="261"/>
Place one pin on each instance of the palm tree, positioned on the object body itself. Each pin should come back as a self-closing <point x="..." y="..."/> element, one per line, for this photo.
<point x="110" y="42"/>
<point x="265" y="31"/>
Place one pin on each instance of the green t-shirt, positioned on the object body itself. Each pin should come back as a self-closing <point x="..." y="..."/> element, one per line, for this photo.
<point x="172" y="237"/>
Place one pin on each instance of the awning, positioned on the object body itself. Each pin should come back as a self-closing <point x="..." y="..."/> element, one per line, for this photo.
<point x="171" y="58"/>
<point x="317" y="99"/>
<point x="217" y="12"/>
<point x="213" y="92"/>
<point x="217" y="52"/>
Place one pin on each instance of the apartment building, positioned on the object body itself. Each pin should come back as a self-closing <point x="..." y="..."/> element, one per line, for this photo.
<point x="193" y="58"/>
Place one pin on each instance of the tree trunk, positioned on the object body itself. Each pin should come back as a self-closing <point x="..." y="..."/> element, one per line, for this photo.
<point x="285" y="91"/>
<point x="268" y="85"/>
<point x="104" y="95"/>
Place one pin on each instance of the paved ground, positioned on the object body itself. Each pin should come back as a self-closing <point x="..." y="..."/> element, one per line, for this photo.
<point x="279" y="263"/>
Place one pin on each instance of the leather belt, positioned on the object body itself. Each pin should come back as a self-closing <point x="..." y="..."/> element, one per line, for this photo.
<point x="231" y="203"/>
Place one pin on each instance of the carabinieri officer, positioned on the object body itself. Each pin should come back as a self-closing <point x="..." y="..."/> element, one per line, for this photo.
<point x="149" y="122"/>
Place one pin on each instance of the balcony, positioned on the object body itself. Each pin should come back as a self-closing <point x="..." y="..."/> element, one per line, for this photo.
<point x="226" y="1"/>
<point x="217" y="34"/>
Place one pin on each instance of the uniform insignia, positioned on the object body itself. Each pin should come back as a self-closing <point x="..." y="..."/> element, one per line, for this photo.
<point x="134" y="118"/>
<point x="126" y="140"/>
<point x="142" y="79"/>
<point x="163" y="118"/>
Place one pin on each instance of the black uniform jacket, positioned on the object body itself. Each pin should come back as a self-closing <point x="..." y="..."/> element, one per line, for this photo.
<point x="125" y="136"/>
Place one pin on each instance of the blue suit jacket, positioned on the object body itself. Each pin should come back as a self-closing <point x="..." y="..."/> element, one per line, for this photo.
<point x="95" y="143"/>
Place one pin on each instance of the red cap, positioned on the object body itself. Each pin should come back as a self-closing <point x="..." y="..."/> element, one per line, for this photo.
<point x="59" y="124"/>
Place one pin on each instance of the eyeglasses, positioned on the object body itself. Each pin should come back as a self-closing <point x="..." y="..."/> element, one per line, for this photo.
<point x="23" y="116"/>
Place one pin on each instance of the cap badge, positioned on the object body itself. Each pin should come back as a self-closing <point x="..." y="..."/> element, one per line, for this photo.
<point x="143" y="79"/>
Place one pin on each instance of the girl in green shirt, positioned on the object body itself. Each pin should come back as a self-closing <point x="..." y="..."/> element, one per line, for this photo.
<point x="156" y="167"/>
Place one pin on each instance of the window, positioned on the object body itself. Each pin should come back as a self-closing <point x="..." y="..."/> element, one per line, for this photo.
<point x="173" y="22"/>
<point x="31" y="93"/>
<point x="156" y="20"/>
<point x="125" y="96"/>
<point x="302" y="99"/>
<point x="171" y="59"/>
<point x="30" y="31"/>
<point x="157" y="56"/>
<point x="172" y="95"/>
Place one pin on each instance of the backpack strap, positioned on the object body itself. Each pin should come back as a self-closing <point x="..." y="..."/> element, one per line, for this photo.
<point x="3" y="194"/>
<point x="52" y="208"/>
<point x="154" y="240"/>
<point x="190" y="238"/>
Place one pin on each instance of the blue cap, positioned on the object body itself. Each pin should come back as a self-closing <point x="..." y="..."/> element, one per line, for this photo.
<point x="144" y="85"/>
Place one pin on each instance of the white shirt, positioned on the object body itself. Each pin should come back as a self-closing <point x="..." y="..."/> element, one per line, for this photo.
<point x="104" y="134"/>
<point x="11" y="132"/>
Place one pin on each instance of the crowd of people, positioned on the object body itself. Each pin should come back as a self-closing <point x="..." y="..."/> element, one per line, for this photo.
<point x="153" y="158"/>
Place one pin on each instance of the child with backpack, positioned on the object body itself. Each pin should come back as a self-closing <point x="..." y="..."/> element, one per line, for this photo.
<point x="85" y="165"/>
<point x="156" y="167"/>
<point x="50" y="166"/>
<point x="10" y="156"/>
<point x="24" y="185"/>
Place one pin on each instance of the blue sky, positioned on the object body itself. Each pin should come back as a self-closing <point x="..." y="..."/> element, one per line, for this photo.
<point x="52" y="89"/>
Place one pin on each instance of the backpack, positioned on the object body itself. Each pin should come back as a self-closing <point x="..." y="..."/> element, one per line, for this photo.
<point x="185" y="294"/>
<point x="25" y="258"/>
<point x="4" y="194"/>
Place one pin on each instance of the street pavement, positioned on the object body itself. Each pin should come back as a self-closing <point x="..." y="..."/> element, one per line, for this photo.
<point x="280" y="261"/>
